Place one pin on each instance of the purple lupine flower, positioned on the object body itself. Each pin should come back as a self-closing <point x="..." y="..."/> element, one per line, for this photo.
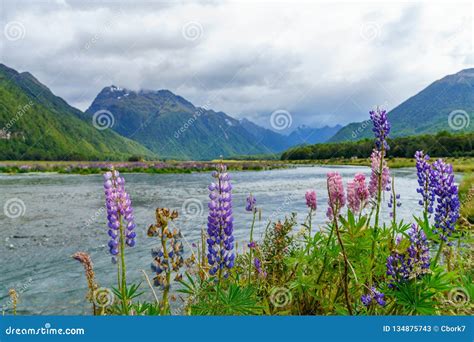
<point x="252" y="244"/>
<point x="448" y="205"/>
<point x="119" y="212"/>
<point x="426" y="190"/>
<point x="258" y="267"/>
<point x="381" y="128"/>
<point x="336" y="196"/>
<point x="374" y="296"/>
<point x="251" y="203"/>
<point x="220" y="223"/>
<point x="394" y="202"/>
<point x="412" y="263"/>
<point x="311" y="201"/>
<point x="376" y="159"/>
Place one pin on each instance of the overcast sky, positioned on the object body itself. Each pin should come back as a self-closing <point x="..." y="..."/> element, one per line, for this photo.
<point x="324" y="63"/>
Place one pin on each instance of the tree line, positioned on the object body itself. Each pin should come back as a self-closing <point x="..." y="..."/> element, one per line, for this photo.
<point x="442" y="144"/>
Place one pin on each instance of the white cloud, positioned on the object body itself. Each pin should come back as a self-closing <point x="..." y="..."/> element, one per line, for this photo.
<point x="326" y="63"/>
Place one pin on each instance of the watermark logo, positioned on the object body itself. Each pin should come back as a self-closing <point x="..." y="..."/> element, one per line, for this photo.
<point x="103" y="119"/>
<point x="281" y="119"/>
<point x="14" y="208"/>
<point x="14" y="30"/>
<point x="458" y="296"/>
<point x="103" y="297"/>
<point x="369" y="31"/>
<point x="192" y="31"/>
<point x="280" y="297"/>
<point x="192" y="208"/>
<point x="458" y="119"/>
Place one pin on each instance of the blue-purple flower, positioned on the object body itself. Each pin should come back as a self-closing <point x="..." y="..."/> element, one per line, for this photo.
<point x="373" y="297"/>
<point x="447" y="199"/>
<point x="381" y="128"/>
<point x="220" y="223"/>
<point x="411" y="263"/>
<point x="119" y="212"/>
<point x="251" y="203"/>
<point x="425" y="181"/>
<point x="258" y="267"/>
<point x="393" y="203"/>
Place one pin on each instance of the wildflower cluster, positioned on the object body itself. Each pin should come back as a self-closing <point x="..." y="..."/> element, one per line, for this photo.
<point x="373" y="297"/>
<point x="169" y="256"/>
<point x="412" y="262"/>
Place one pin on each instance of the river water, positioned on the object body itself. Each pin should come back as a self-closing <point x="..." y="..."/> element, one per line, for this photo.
<point x="58" y="215"/>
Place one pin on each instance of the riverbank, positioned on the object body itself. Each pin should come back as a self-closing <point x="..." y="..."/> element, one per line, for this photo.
<point x="463" y="164"/>
<point x="158" y="167"/>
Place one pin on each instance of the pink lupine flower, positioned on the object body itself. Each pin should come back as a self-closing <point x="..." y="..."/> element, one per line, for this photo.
<point x="311" y="199"/>
<point x="376" y="159"/>
<point x="336" y="199"/>
<point x="357" y="193"/>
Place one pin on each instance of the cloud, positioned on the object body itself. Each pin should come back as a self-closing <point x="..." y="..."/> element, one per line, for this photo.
<point x="325" y="63"/>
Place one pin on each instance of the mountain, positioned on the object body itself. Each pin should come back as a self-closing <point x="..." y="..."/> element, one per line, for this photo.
<point x="446" y="104"/>
<point x="173" y="127"/>
<point x="274" y="141"/>
<point x="36" y="124"/>
<point x="308" y="135"/>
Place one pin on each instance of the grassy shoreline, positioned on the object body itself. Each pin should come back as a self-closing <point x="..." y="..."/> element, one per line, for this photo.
<point x="463" y="164"/>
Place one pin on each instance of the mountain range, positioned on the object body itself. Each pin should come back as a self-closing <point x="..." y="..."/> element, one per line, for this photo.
<point x="173" y="127"/>
<point x="445" y="105"/>
<point x="157" y="124"/>
<point x="36" y="124"/>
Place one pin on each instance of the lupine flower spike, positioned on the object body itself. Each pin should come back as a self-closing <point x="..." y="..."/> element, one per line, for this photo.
<point x="311" y="201"/>
<point x="119" y="212"/>
<point x="220" y="226"/>
<point x="357" y="194"/>
<point x="336" y="199"/>
<point x="86" y="262"/>
<point x="447" y="206"/>
<point x="375" y="160"/>
<point x="168" y="257"/>
<point x="381" y="128"/>
<point x="412" y="263"/>
<point x="425" y="181"/>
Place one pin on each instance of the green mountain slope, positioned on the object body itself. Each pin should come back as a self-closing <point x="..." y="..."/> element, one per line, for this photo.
<point x="445" y="105"/>
<point x="174" y="128"/>
<point x="35" y="124"/>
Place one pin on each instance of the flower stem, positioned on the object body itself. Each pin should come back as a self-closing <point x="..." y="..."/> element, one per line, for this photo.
<point x="377" y="211"/>
<point x="346" y="266"/>
<point x="251" y="248"/>
<point x="438" y="254"/>
<point x="123" y="285"/>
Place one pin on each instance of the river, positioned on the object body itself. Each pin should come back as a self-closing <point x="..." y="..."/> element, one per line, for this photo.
<point x="60" y="214"/>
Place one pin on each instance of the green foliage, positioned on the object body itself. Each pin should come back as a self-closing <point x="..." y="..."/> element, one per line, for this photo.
<point x="447" y="104"/>
<point x="43" y="126"/>
<point x="208" y="299"/>
<point x="466" y="197"/>
<point x="440" y="145"/>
